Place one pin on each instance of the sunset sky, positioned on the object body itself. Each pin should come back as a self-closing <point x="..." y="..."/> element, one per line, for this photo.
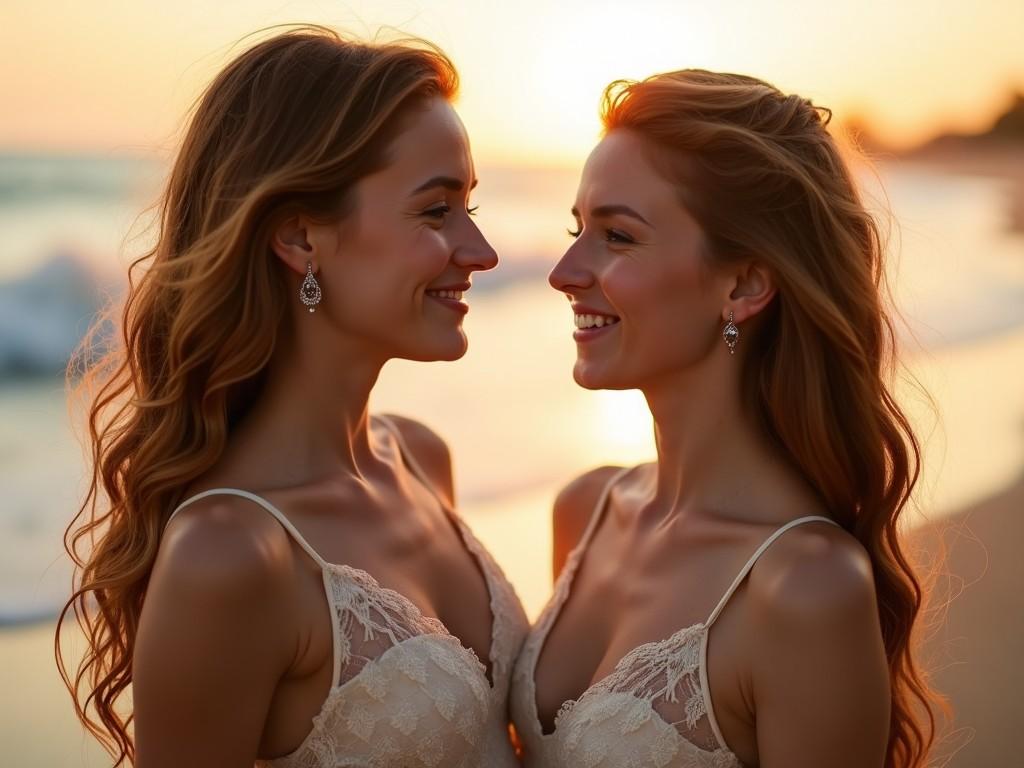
<point x="119" y="76"/>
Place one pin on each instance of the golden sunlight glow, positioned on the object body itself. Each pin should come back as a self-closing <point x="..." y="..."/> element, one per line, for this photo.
<point x="623" y="421"/>
<point x="532" y="71"/>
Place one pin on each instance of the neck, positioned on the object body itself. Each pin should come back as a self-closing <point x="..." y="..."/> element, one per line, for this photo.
<point x="712" y="460"/>
<point x="311" y="421"/>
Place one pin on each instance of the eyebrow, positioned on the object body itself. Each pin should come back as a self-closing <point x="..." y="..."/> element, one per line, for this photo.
<point x="604" y="211"/>
<point x="447" y="182"/>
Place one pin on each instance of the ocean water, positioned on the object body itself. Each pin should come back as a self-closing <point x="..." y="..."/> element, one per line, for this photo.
<point x="517" y="424"/>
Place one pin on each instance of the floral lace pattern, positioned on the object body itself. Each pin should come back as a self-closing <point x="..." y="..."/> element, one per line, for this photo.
<point x="650" y="712"/>
<point x="410" y="693"/>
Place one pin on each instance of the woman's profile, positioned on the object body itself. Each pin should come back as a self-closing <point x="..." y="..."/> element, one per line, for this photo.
<point x="744" y="600"/>
<point x="280" y="575"/>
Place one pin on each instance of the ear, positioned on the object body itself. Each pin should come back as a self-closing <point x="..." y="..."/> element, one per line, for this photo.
<point x="753" y="291"/>
<point x="298" y="241"/>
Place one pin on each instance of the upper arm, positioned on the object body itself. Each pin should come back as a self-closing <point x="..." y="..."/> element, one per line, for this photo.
<point x="820" y="674"/>
<point x="572" y="510"/>
<point x="430" y="451"/>
<point x="210" y="645"/>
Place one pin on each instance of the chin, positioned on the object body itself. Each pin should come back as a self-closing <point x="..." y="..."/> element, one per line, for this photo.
<point x="440" y="350"/>
<point x="588" y="376"/>
<point x="591" y="376"/>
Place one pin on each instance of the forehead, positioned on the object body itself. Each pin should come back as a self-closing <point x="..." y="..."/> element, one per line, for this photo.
<point x="433" y="142"/>
<point x="620" y="170"/>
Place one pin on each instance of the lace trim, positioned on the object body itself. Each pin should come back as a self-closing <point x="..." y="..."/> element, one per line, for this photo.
<point x="510" y="624"/>
<point x="389" y="622"/>
<point x="358" y="599"/>
<point x="658" y="671"/>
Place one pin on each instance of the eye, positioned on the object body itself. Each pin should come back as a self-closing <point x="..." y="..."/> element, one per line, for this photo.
<point x="617" y="236"/>
<point x="472" y="211"/>
<point x="439" y="212"/>
<point x="577" y="233"/>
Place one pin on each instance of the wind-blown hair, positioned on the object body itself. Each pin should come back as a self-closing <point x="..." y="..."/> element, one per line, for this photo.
<point x="289" y="126"/>
<point x="765" y="180"/>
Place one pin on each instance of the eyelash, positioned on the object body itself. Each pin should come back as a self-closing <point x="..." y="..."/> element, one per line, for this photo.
<point x="443" y="210"/>
<point x="611" y="235"/>
<point x="439" y="212"/>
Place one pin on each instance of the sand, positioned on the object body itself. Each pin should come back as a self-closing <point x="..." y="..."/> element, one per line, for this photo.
<point x="976" y="645"/>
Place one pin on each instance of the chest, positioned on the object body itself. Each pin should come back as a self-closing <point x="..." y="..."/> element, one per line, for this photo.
<point x="624" y="598"/>
<point x="392" y="576"/>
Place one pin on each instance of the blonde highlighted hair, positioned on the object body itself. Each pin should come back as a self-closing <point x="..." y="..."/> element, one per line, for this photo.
<point x="289" y="126"/>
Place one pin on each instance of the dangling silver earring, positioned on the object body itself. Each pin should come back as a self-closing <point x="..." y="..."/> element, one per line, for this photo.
<point x="731" y="334"/>
<point x="310" y="293"/>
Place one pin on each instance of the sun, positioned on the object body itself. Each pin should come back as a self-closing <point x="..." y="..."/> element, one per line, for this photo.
<point x="576" y="54"/>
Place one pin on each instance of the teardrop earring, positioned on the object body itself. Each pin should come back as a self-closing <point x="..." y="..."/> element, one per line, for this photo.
<point x="731" y="334"/>
<point x="309" y="292"/>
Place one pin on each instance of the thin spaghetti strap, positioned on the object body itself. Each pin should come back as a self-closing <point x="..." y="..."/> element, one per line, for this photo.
<point x="598" y="511"/>
<point x="284" y="521"/>
<point x="753" y="559"/>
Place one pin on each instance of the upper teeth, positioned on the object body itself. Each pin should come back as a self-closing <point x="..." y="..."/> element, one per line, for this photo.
<point x="457" y="295"/>
<point x="590" y="321"/>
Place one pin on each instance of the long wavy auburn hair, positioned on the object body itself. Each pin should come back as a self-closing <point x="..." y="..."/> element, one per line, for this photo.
<point x="765" y="179"/>
<point x="289" y="126"/>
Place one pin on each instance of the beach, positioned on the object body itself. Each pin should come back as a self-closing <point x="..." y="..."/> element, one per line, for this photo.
<point x="977" y="623"/>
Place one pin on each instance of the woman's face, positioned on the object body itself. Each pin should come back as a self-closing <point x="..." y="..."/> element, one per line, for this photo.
<point x="646" y="301"/>
<point x="405" y="254"/>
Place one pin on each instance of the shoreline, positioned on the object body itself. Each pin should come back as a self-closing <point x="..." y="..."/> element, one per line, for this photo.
<point x="991" y="160"/>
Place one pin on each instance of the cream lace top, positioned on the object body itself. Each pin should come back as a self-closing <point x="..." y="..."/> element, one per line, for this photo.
<point x="653" y="710"/>
<point x="406" y="692"/>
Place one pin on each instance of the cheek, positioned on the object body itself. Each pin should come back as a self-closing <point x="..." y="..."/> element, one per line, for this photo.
<point x="647" y="296"/>
<point x="429" y="252"/>
<point x="662" y="309"/>
<point x="385" y="272"/>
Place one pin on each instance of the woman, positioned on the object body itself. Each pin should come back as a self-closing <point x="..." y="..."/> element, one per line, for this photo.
<point x="742" y="601"/>
<point x="281" y="576"/>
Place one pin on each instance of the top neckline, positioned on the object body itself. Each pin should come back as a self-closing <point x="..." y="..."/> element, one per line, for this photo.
<point x="465" y="536"/>
<point x="563" y="587"/>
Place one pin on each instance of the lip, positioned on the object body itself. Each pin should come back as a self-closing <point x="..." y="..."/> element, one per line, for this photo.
<point x="583" y="309"/>
<point x="453" y="304"/>
<point x="589" y="334"/>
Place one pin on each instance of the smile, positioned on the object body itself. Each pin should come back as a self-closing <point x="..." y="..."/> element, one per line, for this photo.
<point x="451" y="299"/>
<point x="592" y="326"/>
<point x="595" y="321"/>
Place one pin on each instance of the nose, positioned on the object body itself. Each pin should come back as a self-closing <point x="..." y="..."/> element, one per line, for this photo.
<point x="571" y="272"/>
<point x="475" y="253"/>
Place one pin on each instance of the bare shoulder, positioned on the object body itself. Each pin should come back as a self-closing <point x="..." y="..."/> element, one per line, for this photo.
<point x="429" y="449"/>
<point x="815" y="577"/>
<point x="819" y="672"/>
<point x="220" y="591"/>
<point x="223" y="548"/>
<point x="572" y="509"/>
